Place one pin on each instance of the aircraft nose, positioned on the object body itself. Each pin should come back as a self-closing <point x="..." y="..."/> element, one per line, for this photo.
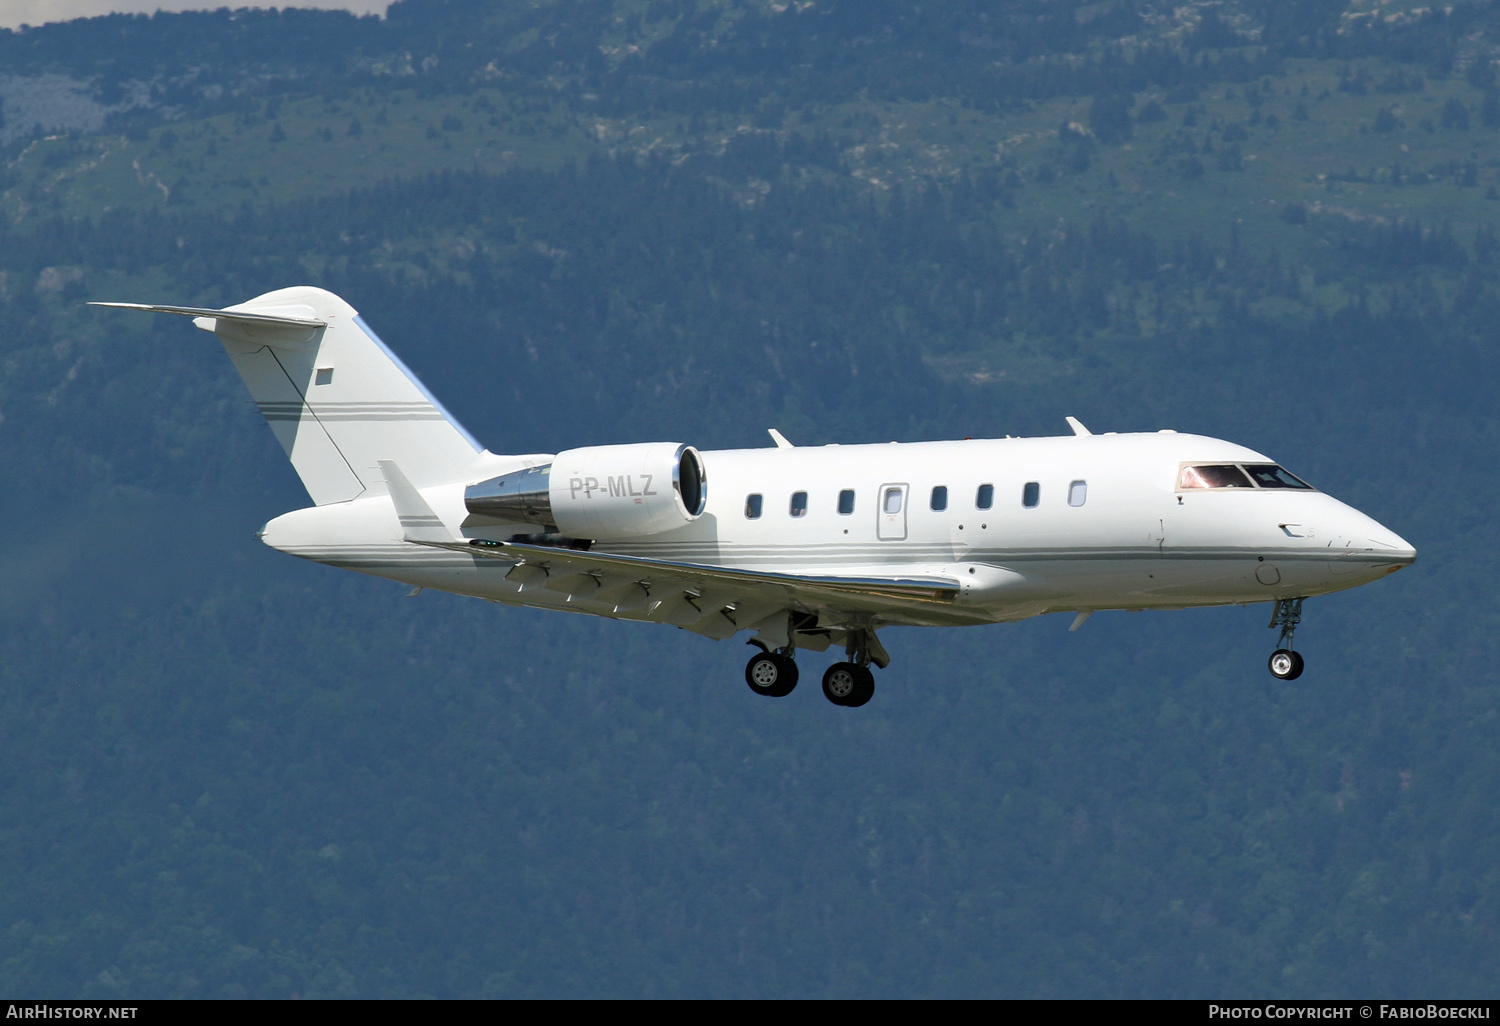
<point x="1401" y="550"/>
<point x="1364" y="540"/>
<point x="1383" y="541"/>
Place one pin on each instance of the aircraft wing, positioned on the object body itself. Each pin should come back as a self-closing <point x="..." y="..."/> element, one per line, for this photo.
<point x="712" y="600"/>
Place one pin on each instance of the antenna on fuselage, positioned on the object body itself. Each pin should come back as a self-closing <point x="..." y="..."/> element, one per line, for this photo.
<point x="1078" y="428"/>
<point x="779" y="439"/>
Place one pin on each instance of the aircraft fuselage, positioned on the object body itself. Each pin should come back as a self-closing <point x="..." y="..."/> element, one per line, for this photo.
<point x="1072" y="523"/>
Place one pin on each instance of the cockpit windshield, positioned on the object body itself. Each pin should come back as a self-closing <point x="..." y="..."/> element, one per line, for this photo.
<point x="1269" y="475"/>
<point x="1234" y="475"/>
<point x="1217" y="475"/>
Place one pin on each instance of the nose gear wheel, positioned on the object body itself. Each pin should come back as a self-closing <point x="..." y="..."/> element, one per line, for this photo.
<point x="1285" y="663"/>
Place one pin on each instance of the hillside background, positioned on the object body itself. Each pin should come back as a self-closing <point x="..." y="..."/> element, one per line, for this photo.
<point x="224" y="772"/>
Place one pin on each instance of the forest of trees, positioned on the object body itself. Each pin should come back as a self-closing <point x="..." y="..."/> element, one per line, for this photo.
<point x="227" y="773"/>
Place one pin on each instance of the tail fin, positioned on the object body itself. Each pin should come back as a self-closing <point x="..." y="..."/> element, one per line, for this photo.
<point x="338" y="400"/>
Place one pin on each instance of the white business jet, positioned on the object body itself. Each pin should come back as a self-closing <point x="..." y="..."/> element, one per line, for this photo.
<point x="804" y="547"/>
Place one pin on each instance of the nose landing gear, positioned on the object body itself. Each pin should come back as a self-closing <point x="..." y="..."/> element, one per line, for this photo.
<point x="1285" y="663"/>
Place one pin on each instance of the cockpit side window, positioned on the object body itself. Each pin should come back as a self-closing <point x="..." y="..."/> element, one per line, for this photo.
<point x="1269" y="475"/>
<point x="1212" y="475"/>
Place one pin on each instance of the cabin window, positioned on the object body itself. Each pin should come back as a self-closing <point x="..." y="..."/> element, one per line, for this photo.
<point x="1217" y="475"/>
<point x="1031" y="494"/>
<point x="985" y="497"/>
<point x="799" y="504"/>
<point x="1268" y="475"/>
<point x="892" y="501"/>
<point x="846" y="501"/>
<point x="324" y="376"/>
<point x="1078" y="493"/>
<point x="939" y="498"/>
<point x="752" y="506"/>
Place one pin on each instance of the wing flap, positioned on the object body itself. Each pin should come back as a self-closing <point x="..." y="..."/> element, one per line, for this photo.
<point x="710" y="600"/>
<point x="714" y="587"/>
<point x="938" y="590"/>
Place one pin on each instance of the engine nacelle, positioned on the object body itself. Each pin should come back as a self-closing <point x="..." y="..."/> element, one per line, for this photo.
<point x="623" y="491"/>
<point x="601" y="492"/>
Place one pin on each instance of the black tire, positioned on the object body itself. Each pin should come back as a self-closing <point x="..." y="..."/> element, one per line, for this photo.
<point x="770" y="674"/>
<point x="788" y="667"/>
<point x="1286" y="664"/>
<point x="848" y="684"/>
<point x="865" y="688"/>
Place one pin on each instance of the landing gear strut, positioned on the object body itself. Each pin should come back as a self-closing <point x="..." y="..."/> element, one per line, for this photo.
<point x="771" y="673"/>
<point x="851" y="683"/>
<point x="1285" y="663"/>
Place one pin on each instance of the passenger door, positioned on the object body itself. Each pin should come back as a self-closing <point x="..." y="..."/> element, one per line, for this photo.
<point x="891" y="512"/>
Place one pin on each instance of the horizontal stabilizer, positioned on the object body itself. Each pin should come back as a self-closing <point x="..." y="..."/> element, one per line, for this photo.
<point x="233" y="316"/>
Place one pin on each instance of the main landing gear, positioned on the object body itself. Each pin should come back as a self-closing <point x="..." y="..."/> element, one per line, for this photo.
<point x="1285" y="663"/>
<point x="771" y="673"/>
<point x="850" y="683"/>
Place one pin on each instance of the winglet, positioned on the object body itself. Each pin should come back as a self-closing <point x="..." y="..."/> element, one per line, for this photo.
<point x="1078" y="429"/>
<point x="779" y="439"/>
<point x="418" y="522"/>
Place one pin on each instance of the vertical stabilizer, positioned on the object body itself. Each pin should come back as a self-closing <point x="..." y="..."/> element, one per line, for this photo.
<point x="337" y="399"/>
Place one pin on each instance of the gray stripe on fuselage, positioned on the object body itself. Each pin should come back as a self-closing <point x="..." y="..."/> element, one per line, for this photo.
<point x="867" y="554"/>
<point x="410" y="555"/>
